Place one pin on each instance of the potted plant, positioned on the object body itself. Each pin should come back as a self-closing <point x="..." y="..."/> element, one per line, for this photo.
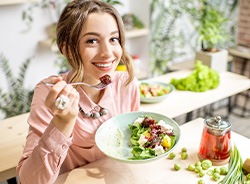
<point x="212" y="34"/>
<point x="17" y="99"/>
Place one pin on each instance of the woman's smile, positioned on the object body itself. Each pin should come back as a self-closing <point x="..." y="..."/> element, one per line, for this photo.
<point x="100" y="45"/>
<point x="104" y="65"/>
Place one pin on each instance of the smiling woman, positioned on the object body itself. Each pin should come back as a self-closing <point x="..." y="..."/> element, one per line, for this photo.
<point x="100" y="44"/>
<point x="90" y="34"/>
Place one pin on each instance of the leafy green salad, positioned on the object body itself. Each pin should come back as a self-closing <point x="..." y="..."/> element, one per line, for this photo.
<point x="201" y="79"/>
<point x="150" y="138"/>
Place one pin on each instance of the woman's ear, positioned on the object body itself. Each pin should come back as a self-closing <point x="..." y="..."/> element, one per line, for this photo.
<point x="63" y="50"/>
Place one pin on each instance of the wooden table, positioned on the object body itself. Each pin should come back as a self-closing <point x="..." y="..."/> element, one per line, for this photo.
<point x="183" y="102"/>
<point x="109" y="171"/>
<point x="13" y="132"/>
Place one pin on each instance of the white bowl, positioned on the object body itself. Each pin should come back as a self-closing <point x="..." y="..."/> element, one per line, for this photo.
<point x="155" y="99"/>
<point x="113" y="136"/>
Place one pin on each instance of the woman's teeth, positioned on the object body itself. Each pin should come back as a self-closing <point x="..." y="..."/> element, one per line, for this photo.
<point x="106" y="65"/>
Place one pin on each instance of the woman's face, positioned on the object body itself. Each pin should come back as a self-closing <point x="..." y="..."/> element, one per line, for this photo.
<point x="100" y="48"/>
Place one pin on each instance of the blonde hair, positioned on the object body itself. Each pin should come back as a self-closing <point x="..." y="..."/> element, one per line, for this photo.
<point x="68" y="31"/>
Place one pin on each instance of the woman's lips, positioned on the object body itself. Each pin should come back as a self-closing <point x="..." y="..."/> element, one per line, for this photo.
<point x="103" y="65"/>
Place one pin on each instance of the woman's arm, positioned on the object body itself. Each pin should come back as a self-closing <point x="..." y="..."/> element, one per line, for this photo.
<point x="49" y="138"/>
<point x="43" y="156"/>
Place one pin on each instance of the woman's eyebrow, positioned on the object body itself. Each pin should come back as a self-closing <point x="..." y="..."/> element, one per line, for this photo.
<point x="97" y="34"/>
<point x="91" y="33"/>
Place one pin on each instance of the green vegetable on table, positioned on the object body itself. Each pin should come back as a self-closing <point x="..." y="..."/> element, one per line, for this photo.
<point x="198" y="163"/>
<point x="223" y="170"/>
<point x="171" y="155"/>
<point x="235" y="172"/>
<point x="191" y="167"/>
<point x="201" y="173"/>
<point x="197" y="169"/>
<point x="216" y="176"/>
<point x="248" y="177"/>
<point x="177" y="167"/>
<point x="206" y="164"/>
<point x="184" y="155"/>
<point x="184" y="149"/>
<point x="201" y="182"/>
<point x="202" y="78"/>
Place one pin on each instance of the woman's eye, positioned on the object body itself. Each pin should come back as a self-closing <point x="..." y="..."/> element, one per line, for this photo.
<point x="92" y="41"/>
<point x="115" y="40"/>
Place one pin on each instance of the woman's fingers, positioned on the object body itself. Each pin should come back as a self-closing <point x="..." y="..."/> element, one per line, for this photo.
<point x="54" y="93"/>
<point x="75" y="98"/>
<point x="68" y="99"/>
<point x="53" y="79"/>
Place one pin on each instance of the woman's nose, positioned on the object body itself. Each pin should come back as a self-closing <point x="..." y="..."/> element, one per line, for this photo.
<point x="106" y="50"/>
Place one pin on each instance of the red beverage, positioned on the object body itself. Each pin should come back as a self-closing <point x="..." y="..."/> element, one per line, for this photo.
<point x="215" y="143"/>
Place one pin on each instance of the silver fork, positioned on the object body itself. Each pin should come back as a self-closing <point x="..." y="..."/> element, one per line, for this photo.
<point x="98" y="86"/>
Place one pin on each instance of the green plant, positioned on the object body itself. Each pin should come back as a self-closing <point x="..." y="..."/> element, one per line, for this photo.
<point x="17" y="99"/>
<point x="113" y="2"/>
<point x="211" y="26"/>
<point x="131" y="21"/>
<point x="62" y="63"/>
<point x="54" y="8"/>
<point x="212" y="29"/>
<point x="167" y="39"/>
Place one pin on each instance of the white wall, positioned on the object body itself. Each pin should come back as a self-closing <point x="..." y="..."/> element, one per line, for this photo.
<point x="17" y="45"/>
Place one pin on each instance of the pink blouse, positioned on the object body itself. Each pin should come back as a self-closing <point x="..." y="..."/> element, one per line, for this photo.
<point x="48" y="152"/>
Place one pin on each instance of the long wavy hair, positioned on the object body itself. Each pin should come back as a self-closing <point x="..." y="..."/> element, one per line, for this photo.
<point x="69" y="28"/>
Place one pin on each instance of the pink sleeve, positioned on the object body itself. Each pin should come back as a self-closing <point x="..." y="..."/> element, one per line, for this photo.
<point x="135" y="96"/>
<point x="46" y="147"/>
<point x="43" y="156"/>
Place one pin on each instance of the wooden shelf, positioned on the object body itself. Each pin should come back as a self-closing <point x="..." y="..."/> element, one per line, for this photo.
<point x="49" y="44"/>
<point x="12" y="2"/>
<point x="136" y="33"/>
<point x="129" y="34"/>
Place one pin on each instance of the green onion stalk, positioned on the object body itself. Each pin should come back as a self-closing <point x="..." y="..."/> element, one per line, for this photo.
<point x="235" y="173"/>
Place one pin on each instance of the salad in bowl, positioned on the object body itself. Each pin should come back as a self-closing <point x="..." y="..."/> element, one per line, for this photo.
<point x="153" y="91"/>
<point x="138" y="137"/>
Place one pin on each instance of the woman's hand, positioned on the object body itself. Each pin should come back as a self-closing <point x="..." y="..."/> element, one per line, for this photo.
<point x="64" y="119"/>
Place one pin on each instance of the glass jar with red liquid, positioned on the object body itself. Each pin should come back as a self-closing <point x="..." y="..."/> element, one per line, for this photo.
<point x="216" y="141"/>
